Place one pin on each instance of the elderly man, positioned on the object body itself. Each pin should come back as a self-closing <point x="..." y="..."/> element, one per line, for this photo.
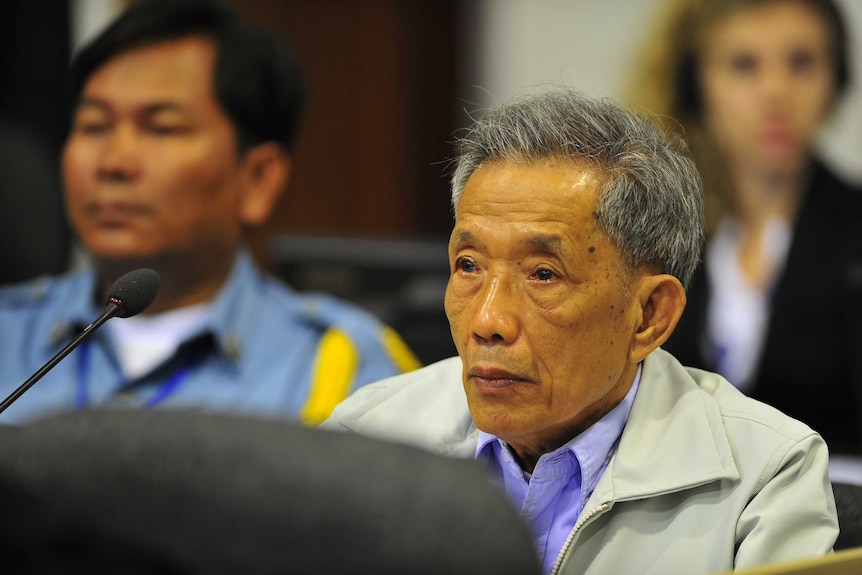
<point x="185" y="117"/>
<point x="577" y="226"/>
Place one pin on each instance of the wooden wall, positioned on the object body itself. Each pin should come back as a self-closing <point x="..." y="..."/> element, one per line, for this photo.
<point x="382" y="110"/>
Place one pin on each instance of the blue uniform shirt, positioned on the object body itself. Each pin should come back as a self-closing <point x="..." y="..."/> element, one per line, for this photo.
<point x="265" y="350"/>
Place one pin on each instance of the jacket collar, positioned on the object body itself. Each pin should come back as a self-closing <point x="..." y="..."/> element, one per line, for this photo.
<point x="674" y="439"/>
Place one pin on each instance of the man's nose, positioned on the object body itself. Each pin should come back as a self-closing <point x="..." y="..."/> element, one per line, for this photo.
<point x="496" y="318"/>
<point x="120" y="156"/>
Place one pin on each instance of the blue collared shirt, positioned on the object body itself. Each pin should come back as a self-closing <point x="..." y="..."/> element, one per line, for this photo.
<point x="259" y="352"/>
<point x="554" y="495"/>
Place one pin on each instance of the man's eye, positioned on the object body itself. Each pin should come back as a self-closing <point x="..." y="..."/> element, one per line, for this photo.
<point x="92" y="127"/>
<point x="166" y="130"/>
<point x="545" y="275"/>
<point x="465" y="265"/>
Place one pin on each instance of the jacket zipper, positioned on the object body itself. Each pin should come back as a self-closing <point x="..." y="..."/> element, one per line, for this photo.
<point x="581" y="522"/>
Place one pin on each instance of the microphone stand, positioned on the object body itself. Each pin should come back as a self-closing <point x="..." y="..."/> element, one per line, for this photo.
<point x="113" y="308"/>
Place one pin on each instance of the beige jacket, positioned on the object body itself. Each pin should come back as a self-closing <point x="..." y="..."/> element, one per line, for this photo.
<point x="704" y="479"/>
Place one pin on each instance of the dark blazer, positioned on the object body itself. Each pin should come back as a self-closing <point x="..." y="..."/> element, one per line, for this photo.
<point x="811" y="363"/>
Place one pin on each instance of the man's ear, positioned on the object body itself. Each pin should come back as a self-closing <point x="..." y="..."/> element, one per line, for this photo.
<point x="265" y="173"/>
<point x="662" y="300"/>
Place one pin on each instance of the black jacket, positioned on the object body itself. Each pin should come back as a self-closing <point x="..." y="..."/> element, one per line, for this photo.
<point x="811" y="362"/>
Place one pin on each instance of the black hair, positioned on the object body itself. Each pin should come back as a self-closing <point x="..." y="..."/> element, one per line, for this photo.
<point x="258" y="80"/>
<point x="688" y="98"/>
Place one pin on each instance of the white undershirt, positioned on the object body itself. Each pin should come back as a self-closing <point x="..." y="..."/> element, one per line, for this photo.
<point x="145" y="341"/>
<point x="738" y="312"/>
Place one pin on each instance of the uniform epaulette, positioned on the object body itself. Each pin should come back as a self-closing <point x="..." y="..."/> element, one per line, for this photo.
<point x="26" y="293"/>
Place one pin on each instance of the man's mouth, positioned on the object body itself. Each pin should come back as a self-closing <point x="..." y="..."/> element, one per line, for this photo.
<point x="116" y="213"/>
<point x="494" y="378"/>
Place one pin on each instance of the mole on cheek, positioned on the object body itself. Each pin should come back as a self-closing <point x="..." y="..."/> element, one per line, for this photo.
<point x="592" y="249"/>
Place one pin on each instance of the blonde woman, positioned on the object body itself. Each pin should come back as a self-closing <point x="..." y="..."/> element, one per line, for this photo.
<point x="776" y="306"/>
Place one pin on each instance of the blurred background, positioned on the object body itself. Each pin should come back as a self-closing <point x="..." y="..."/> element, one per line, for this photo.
<point x="367" y="213"/>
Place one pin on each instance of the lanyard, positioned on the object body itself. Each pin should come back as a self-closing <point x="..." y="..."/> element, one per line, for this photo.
<point x="81" y="392"/>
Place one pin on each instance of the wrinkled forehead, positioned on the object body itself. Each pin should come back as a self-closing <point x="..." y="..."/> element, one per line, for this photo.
<point x="522" y="181"/>
<point x="540" y="206"/>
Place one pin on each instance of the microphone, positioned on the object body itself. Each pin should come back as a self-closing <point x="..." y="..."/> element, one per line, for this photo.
<point x="128" y="296"/>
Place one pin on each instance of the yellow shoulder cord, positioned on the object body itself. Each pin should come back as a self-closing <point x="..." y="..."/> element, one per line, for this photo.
<point x="335" y="367"/>
<point x="401" y="355"/>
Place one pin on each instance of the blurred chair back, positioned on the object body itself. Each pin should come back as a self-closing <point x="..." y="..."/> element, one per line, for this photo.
<point x="848" y="502"/>
<point x="186" y="493"/>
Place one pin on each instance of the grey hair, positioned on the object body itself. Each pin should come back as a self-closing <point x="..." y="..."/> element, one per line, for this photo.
<point x="651" y="201"/>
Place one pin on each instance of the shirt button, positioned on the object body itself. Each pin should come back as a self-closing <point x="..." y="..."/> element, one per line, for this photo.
<point x="58" y="332"/>
<point x="232" y="347"/>
<point x="124" y="397"/>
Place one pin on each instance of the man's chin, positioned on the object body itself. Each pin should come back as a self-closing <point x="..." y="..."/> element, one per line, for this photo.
<point x="116" y="246"/>
<point x="495" y="419"/>
<point x="121" y="261"/>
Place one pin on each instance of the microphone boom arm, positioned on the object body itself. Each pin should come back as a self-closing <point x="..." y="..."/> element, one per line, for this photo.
<point x="112" y="309"/>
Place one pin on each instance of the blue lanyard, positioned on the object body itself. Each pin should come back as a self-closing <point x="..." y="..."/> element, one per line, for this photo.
<point x="82" y="395"/>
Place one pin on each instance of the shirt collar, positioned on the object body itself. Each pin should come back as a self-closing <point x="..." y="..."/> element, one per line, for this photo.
<point x="594" y="446"/>
<point x="235" y="308"/>
<point x="78" y="309"/>
<point x="231" y="321"/>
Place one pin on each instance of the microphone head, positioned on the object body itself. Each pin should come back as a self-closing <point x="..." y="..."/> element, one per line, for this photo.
<point x="133" y="292"/>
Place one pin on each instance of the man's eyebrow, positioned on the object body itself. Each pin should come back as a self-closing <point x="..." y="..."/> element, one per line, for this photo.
<point x="163" y="106"/>
<point x="542" y="243"/>
<point x="90" y="102"/>
<point x="148" y="109"/>
<point x="461" y="237"/>
<point x="549" y="244"/>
